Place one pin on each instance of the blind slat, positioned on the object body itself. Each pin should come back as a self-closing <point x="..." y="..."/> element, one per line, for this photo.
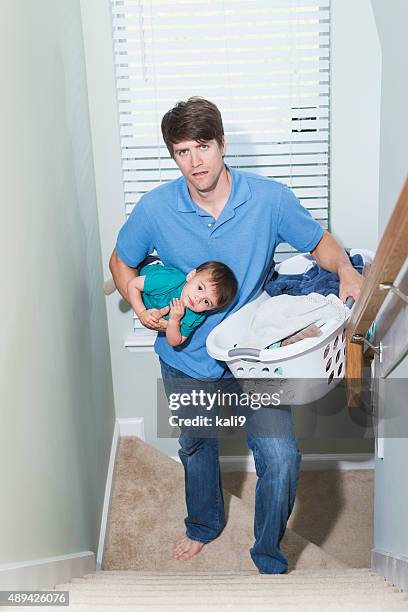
<point x="301" y="161"/>
<point x="168" y="174"/>
<point x="303" y="184"/>
<point x="276" y="5"/>
<point x="232" y="138"/>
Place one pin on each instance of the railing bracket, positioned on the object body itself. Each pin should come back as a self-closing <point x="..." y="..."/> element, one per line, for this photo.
<point x="395" y="290"/>
<point x="377" y="349"/>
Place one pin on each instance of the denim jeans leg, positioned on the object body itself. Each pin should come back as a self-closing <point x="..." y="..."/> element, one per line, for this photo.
<point x="200" y="458"/>
<point x="204" y="498"/>
<point x="277" y="463"/>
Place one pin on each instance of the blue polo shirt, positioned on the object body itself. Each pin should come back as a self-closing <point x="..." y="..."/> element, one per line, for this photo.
<point x="259" y="215"/>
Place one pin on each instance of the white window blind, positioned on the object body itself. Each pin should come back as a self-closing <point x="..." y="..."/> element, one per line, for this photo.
<point x="265" y="63"/>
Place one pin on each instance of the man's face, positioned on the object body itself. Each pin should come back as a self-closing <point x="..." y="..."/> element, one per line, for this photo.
<point x="200" y="163"/>
<point x="199" y="293"/>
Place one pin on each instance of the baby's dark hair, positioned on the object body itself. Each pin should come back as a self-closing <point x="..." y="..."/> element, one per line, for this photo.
<point x="224" y="281"/>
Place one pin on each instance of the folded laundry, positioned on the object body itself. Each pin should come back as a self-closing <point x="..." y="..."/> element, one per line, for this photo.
<point x="314" y="280"/>
<point x="311" y="331"/>
<point x="284" y="315"/>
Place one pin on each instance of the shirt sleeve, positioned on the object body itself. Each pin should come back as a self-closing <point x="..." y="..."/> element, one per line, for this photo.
<point x="160" y="280"/>
<point x="296" y="225"/>
<point x="187" y="328"/>
<point x="135" y="240"/>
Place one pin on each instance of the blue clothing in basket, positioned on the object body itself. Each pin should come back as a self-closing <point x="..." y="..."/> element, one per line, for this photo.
<point x="315" y="280"/>
<point x="259" y="215"/>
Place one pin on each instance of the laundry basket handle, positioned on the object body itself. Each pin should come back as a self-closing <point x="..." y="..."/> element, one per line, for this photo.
<point x="244" y="352"/>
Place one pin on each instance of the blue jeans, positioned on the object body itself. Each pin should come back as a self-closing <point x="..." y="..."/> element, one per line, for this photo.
<point x="277" y="463"/>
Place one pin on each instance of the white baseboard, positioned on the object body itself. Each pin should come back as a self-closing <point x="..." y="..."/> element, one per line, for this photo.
<point x="393" y="567"/>
<point x="356" y="461"/>
<point x="45" y="573"/>
<point x="108" y="488"/>
<point x="132" y="427"/>
<point x="123" y="427"/>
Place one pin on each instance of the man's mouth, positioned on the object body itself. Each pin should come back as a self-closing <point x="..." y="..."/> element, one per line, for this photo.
<point x="199" y="174"/>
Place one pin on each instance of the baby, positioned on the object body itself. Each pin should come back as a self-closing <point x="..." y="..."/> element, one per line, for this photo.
<point x="211" y="286"/>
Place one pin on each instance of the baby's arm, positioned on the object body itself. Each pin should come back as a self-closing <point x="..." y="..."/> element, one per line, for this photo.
<point x="173" y="335"/>
<point x="134" y="289"/>
<point x="148" y="317"/>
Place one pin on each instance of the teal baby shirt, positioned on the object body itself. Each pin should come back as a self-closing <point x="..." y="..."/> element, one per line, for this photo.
<point x="161" y="285"/>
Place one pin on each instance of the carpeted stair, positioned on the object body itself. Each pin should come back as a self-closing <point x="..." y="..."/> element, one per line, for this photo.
<point x="147" y="512"/>
<point x="346" y="590"/>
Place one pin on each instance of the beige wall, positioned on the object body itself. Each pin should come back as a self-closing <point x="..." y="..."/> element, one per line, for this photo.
<point x="57" y="410"/>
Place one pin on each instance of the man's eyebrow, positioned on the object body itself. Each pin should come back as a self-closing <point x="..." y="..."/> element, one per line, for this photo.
<point x="177" y="150"/>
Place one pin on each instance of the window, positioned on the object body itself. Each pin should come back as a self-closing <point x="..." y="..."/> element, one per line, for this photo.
<point x="265" y="63"/>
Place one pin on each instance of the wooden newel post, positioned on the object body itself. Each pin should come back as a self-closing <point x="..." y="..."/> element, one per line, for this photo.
<point x="354" y="373"/>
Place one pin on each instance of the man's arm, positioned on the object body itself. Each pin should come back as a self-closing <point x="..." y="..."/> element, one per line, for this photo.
<point x="134" y="291"/>
<point x="330" y="256"/>
<point x="122" y="274"/>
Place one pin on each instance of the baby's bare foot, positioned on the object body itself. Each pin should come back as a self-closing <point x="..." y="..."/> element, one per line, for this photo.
<point x="185" y="548"/>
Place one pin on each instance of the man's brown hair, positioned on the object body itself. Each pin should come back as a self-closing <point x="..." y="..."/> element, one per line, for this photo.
<point x="224" y="281"/>
<point x="197" y="119"/>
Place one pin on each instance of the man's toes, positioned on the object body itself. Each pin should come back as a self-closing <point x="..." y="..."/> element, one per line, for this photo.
<point x="180" y="548"/>
<point x="193" y="550"/>
<point x="181" y="545"/>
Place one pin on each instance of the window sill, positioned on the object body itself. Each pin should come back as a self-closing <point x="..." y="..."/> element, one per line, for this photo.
<point x="141" y="341"/>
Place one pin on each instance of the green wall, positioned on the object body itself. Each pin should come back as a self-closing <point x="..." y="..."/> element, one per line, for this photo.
<point x="57" y="411"/>
<point x="391" y="476"/>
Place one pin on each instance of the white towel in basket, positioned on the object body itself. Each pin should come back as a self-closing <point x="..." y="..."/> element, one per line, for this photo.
<point x="284" y="315"/>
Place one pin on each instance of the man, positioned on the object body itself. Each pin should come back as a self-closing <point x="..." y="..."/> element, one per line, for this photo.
<point x="214" y="212"/>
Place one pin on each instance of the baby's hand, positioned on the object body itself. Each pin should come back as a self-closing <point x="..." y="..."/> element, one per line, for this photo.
<point x="152" y="318"/>
<point x="177" y="309"/>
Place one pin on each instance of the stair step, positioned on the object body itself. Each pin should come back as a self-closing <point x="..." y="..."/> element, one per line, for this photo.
<point x="357" y="590"/>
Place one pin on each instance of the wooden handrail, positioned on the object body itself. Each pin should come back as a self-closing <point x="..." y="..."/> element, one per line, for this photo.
<point x="391" y="255"/>
<point x="388" y="261"/>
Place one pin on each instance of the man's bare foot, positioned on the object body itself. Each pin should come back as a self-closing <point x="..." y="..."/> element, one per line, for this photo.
<point x="185" y="548"/>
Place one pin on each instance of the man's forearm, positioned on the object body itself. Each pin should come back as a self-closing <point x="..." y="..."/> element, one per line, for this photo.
<point x="121" y="274"/>
<point x="331" y="256"/>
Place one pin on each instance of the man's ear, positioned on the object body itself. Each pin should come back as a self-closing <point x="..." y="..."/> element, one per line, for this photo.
<point x="223" y="146"/>
<point x="191" y="275"/>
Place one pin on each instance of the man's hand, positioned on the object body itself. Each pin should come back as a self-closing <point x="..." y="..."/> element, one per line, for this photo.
<point x="330" y="256"/>
<point x="350" y="283"/>
<point x="153" y="318"/>
<point x="177" y="309"/>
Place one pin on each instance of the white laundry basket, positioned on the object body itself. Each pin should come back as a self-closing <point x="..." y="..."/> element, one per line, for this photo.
<point x="302" y="372"/>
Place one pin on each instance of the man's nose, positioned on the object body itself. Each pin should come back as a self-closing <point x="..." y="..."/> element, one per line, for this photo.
<point x="196" y="158"/>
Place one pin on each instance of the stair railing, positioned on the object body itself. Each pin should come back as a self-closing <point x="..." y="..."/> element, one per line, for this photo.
<point x="389" y="259"/>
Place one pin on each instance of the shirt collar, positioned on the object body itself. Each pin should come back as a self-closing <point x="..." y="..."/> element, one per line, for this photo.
<point x="240" y="193"/>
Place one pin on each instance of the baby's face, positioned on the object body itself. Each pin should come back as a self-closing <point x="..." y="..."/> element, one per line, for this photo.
<point x="199" y="293"/>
